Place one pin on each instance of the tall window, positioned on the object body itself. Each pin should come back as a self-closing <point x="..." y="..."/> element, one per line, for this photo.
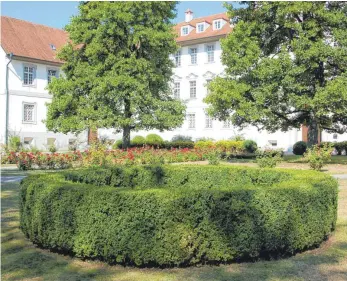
<point x="201" y="27"/>
<point x="192" y="89"/>
<point x="191" y="120"/>
<point x="29" y="75"/>
<point x="227" y="124"/>
<point x="208" y="121"/>
<point x="185" y="30"/>
<point x="217" y="24"/>
<point x="178" y="59"/>
<point x="28" y="113"/>
<point x="177" y="90"/>
<point x="193" y="55"/>
<point x="210" y="53"/>
<point x="51" y="73"/>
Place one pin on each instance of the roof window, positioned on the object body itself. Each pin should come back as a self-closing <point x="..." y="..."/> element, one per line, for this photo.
<point x="52" y="47"/>
<point x="200" y="27"/>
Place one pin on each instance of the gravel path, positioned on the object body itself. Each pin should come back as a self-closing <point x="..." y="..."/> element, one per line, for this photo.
<point x="341" y="177"/>
<point x="6" y="179"/>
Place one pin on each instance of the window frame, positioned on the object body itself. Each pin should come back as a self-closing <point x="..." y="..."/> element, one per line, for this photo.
<point x="209" y="52"/>
<point x="217" y="22"/>
<point x="199" y="25"/>
<point x="34" y="80"/>
<point x="178" y="57"/>
<point x="193" y="55"/>
<point x="177" y="90"/>
<point x="208" y="81"/>
<point x="34" y="113"/>
<point x="51" y="138"/>
<point x="191" y="114"/>
<point x="226" y="124"/>
<point x="184" y="28"/>
<point x="52" y="69"/>
<point x="192" y="89"/>
<point x="208" y="121"/>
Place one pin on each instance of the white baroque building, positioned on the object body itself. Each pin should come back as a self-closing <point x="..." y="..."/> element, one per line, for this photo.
<point x="28" y="55"/>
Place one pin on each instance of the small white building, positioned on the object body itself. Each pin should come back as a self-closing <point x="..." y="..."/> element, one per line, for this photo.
<point x="33" y="62"/>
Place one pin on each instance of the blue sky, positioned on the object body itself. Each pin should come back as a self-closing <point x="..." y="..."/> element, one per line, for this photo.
<point x="57" y="13"/>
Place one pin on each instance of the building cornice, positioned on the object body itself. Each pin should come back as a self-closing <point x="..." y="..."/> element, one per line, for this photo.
<point x="200" y="40"/>
<point x="29" y="94"/>
<point x="33" y="60"/>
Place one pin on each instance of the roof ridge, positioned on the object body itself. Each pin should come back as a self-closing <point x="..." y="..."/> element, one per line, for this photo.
<point x="33" y="23"/>
<point x="223" y="13"/>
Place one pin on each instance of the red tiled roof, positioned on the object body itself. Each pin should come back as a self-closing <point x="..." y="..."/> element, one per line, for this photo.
<point x="26" y="39"/>
<point x="30" y="40"/>
<point x="209" y="32"/>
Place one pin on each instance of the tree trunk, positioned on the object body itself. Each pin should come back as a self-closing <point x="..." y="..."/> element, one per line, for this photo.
<point x="126" y="137"/>
<point x="127" y="128"/>
<point x="313" y="134"/>
<point x="92" y="135"/>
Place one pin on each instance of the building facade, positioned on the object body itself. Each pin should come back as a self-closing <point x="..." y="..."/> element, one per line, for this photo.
<point x="33" y="64"/>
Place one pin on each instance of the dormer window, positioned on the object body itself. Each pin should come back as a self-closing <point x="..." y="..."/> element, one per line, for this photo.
<point x="200" y="27"/>
<point x="185" y="30"/>
<point x="217" y="24"/>
<point x="53" y="47"/>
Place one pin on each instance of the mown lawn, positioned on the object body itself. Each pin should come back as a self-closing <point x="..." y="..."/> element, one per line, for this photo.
<point x="21" y="260"/>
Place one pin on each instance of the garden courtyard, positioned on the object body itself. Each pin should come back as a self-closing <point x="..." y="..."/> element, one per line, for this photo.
<point x="22" y="260"/>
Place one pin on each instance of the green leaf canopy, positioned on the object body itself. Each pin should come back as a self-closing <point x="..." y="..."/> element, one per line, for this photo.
<point x="117" y="70"/>
<point x="286" y="65"/>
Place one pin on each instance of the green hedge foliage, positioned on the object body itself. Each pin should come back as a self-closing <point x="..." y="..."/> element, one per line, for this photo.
<point x="154" y="140"/>
<point x="138" y="141"/>
<point x="178" y="215"/>
<point x="339" y="146"/>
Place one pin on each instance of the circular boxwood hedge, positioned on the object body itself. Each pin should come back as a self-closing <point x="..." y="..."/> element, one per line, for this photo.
<point x="178" y="215"/>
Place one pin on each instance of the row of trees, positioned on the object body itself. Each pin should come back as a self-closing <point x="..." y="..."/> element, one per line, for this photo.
<point x="285" y="64"/>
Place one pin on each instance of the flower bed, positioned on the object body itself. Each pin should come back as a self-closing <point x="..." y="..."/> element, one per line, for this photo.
<point x="178" y="215"/>
<point x="100" y="157"/>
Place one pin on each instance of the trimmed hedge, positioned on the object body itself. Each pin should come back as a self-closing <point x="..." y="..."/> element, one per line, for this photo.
<point x="178" y="215"/>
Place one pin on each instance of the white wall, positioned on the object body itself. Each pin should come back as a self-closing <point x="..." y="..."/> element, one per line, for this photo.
<point x="36" y="94"/>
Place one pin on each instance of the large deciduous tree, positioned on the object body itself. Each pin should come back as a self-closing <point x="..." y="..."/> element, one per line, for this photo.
<point x="286" y="65"/>
<point x="117" y="70"/>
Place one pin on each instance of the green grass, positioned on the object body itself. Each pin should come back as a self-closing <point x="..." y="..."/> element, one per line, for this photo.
<point x="336" y="159"/>
<point x="21" y="260"/>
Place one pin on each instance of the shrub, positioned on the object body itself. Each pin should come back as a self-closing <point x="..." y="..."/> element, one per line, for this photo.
<point x="204" y="144"/>
<point x="230" y="146"/>
<point x="213" y="157"/>
<point x="154" y="140"/>
<point x="317" y="156"/>
<point x="181" y="138"/>
<point x="250" y="146"/>
<point x="268" y="158"/>
<point x="52" y="148"/>
<point x="179" y="144"/>
<point x="14" y="143"/>
<point x="118" y="144"/>
<point x="178" y="215"/>
<point x="138" y="141"/>
<point x="299" y="148"/>
<point x="239" y="137"/>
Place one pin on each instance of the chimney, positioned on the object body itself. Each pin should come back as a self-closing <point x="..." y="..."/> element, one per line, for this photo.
<point x="189" y="15"/>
